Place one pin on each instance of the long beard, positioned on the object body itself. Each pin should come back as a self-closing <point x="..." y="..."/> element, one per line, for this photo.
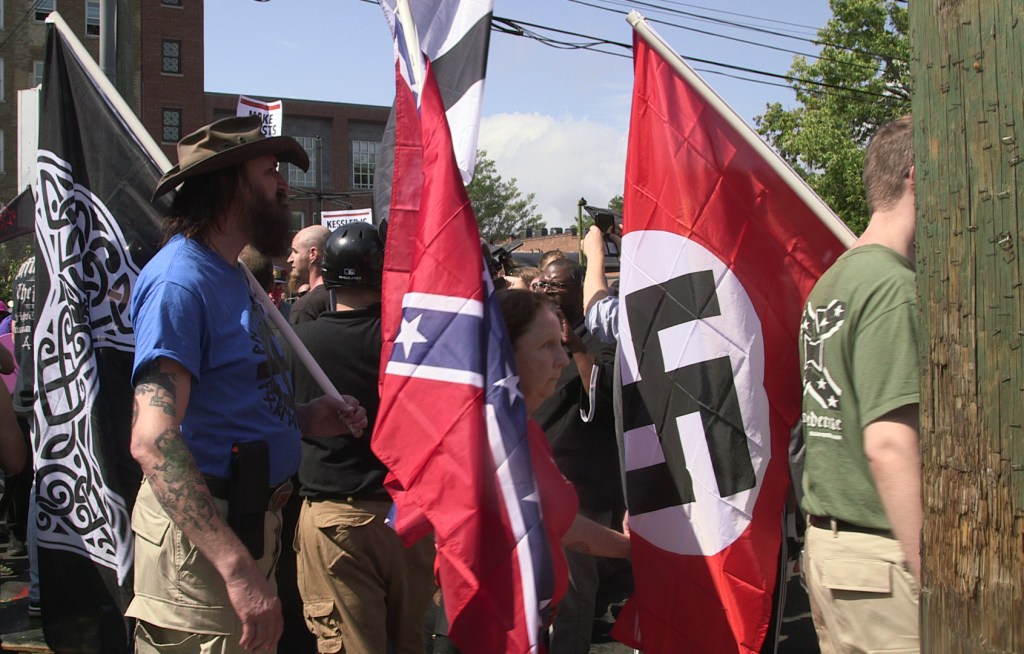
<point x="269" y="222"/>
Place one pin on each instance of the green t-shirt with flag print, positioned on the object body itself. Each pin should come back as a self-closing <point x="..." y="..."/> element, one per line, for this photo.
<point x="859" y="356"/>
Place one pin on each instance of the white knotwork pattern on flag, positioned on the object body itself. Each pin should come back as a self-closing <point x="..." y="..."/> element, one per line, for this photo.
<point x="88" y="260"/>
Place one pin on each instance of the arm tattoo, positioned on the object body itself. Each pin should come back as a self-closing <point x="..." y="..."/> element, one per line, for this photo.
<point x="161" y="385"/>
<point x="181" y="491"/>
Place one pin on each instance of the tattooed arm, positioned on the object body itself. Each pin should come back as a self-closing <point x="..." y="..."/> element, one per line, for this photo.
<point x="161" y="396"/>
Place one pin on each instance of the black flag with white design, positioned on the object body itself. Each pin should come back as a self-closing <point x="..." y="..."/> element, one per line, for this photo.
<point x="95" y="229"/>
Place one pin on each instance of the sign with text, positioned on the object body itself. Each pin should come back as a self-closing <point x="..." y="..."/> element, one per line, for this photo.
<point x="332" y="220"/>
<point x="270" y="113"/>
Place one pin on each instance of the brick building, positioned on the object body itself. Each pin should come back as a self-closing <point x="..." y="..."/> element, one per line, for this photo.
<point x="161" y="59"/>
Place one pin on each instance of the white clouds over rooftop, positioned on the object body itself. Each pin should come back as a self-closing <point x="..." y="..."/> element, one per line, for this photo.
<point x="558" y="159"/>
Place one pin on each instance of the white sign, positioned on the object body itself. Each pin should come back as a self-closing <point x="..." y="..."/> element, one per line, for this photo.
<point x="332" y="220"/>
<point x="270" y="113"/>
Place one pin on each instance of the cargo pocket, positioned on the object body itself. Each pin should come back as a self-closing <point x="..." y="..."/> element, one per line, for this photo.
<point x="151" y="639"/>
<point x="323" y="622"/>
<point x="857" y="575"/>
<point x="153" y="568"/>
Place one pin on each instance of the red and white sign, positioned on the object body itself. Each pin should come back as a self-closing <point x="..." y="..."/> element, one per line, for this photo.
<point x="270" y="113"/>
<point x="332" y="220"/>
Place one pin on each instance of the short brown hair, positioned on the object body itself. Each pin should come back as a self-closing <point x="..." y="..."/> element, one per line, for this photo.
<point x="519" y="307"/>
<point x="887" y="163"/>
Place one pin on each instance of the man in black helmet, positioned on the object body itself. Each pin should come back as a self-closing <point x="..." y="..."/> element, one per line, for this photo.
<point x="363" y="591"/>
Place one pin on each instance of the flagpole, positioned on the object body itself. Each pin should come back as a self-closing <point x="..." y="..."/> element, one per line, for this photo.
<point x="110" y="93"/>
<point x="788" y="175"/>
<point x="298" y="347"/>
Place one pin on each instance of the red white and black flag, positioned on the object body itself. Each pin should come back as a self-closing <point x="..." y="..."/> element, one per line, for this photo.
<point x="452" y="421"/>
<point x="95" y="229"/>
<point x="722" y="243"/>
<point x="455" y="38"/>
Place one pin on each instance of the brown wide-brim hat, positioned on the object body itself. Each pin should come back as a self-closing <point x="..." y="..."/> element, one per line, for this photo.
<point x="225" y="143"/>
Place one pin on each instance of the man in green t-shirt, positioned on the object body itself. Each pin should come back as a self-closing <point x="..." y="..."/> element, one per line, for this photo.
<point x="861" y="388"/>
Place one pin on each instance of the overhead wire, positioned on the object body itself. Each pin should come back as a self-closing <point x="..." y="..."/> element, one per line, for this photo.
<point x="515" y="27"/>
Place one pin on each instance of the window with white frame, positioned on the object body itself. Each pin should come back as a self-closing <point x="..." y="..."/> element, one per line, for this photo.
<point x="171" y="53"/>
<point x="171" y="127"/>
<point x="92" y="17"/>
<point x="2" y="153"/>
<point x="43" y="8"/>
<point x="37" y="73"/>
<point x="364" y="163"/>
<point x="297" y="178"/>
<point x="1" y="79"/>
<point x="298" y="220"/>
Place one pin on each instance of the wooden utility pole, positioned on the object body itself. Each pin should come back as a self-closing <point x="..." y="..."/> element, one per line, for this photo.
<point x="968" y="106"/>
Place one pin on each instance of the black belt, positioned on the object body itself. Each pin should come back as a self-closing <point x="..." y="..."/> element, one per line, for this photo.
<point x="822" y="522"/>
<point x="276" y="496"/>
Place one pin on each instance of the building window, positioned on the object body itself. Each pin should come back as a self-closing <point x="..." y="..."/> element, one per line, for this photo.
<point x="1" y="151"/>
<point x="37" y="73"/>
<point x="364" y="163"/>
<point x="1" y="79"/>
<point x="171" y="126"/>
<point x="43" y="8"/>
<point x="297" y="178"/>
<point x="171" y="57"/>
<point x="298" y="220"/>
<point x="92" y="17"/>
<point x="171" y="3"/>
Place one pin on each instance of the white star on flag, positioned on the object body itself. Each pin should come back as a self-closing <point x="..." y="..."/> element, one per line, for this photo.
<point x="510" y="383"/>
<point x="410" y="335"/>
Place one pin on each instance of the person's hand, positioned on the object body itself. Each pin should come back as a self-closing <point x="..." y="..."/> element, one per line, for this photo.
<point x="330" y="416"/>
<point x="258" y="609"/>
<point x="593" y="244"/>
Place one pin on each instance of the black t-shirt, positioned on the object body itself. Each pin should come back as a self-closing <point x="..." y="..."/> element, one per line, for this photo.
<point x="347" y="346"/>
<point x="587" y="453"/>
<point x="309" y="306"/>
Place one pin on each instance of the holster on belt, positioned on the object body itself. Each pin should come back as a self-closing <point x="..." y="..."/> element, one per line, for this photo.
<point x="247" y="493"/>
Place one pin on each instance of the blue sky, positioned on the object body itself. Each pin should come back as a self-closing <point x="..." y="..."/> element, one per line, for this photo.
<point x="555" y="119"/>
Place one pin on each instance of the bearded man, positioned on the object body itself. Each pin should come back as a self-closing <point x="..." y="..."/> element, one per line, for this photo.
<point x="215" y="427"/>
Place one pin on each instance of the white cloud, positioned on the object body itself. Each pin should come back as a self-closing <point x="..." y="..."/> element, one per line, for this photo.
<point x="558" y="159"/>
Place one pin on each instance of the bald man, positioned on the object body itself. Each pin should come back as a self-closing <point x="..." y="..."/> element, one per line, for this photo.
<point x="306" y="257"/>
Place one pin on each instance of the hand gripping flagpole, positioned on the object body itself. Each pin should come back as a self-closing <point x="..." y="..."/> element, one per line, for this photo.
<point x="783" y="169"/>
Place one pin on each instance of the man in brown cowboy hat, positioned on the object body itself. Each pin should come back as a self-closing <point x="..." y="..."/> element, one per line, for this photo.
<point x="215" y="427"/>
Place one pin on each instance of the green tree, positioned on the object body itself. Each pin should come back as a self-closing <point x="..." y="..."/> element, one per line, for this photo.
<point x="615" y="204"/>
<point x="502" y="211"/>
<point x="860" y="82"/>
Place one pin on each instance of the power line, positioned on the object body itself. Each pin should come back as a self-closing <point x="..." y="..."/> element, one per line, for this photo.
<point x="680" y="12"/>
<point x="734" y="38"/>
<point x="515" y="28"/>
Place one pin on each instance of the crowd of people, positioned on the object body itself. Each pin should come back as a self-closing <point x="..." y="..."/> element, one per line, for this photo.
<point x="262" y="514"/>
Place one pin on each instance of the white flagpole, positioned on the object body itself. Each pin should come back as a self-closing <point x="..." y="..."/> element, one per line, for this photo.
<point x="289" y="335"/>
<point x="752" y="138"/>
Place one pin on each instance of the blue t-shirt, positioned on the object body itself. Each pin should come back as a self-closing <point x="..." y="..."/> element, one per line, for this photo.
<point x="191" y="306"/>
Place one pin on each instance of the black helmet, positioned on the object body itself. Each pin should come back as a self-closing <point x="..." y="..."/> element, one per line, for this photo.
<point x="353" y="256"/>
